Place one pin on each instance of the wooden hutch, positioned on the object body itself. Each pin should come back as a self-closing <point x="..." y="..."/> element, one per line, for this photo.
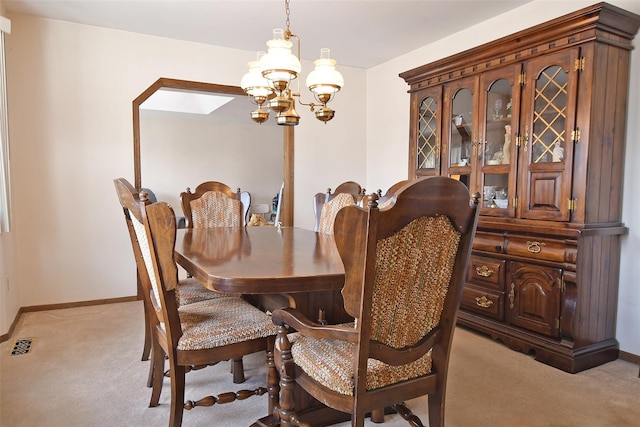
<point x="536" y="122"/>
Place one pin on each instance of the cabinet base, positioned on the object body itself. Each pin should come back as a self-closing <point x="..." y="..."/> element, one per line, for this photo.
<point x="563" y="355"/>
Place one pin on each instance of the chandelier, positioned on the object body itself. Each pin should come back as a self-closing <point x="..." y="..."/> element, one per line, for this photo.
<point x="268" y="81"/>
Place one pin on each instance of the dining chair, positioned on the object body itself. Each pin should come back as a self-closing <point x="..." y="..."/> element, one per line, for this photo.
<point x="202" y="333"/>
<point x="404" y="274"/>
<point x="326" y="205"/>
<point x="189" y="290"/>
<point x="214" y="204"/>
<point x="384" y="200"/>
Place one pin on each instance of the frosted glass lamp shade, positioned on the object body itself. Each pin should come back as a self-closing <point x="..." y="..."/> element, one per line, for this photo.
<point x="253" y="83"/>
<point x="325" y="79"/>
<point x="279" y="64"/>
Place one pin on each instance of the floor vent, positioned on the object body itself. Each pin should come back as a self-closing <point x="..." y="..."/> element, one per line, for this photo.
<point x="21" y="346"/>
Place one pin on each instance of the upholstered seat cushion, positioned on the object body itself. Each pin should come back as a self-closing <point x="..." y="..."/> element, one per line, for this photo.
<point x="190" y="291"/>
<point x="330" y="362"/>
<point x="222" y="321"/>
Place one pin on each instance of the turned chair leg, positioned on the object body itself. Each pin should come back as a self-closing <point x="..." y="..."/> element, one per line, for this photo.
<point x="273" y="379"/>
<point x="285" y="411"/>
<point x="238" y="370"/>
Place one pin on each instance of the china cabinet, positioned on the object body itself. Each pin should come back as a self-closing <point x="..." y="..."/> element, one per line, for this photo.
<point x="535" y="122"/>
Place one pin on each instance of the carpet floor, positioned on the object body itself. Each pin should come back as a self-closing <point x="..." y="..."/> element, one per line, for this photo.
<point x="84" y="369"/>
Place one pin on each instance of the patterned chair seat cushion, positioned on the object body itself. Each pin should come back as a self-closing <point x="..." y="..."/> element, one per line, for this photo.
<point x="190" y="291"/>
<point x="330" y="362"/>
<point x="222" y="321"/>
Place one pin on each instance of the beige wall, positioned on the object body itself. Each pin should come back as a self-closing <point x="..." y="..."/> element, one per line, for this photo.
<point x="389" y="141"/>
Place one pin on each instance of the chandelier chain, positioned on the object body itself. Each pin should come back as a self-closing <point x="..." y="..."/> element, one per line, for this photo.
<point x="287" y="11"/>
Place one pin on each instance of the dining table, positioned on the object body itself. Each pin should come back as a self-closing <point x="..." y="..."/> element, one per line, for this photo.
<point x="265" y="263"/>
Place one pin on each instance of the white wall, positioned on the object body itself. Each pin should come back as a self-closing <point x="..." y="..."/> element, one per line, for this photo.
<point x="70" y="93"/>
<point x="388" y="131"/>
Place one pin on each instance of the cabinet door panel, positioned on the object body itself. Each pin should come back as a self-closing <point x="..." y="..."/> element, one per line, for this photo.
<point x="497" y="152"/>
<point x="533" y="298"/>
<point x="547" y="122"/>
<point x="459" y="144"/>
<point x="425" y="138"/>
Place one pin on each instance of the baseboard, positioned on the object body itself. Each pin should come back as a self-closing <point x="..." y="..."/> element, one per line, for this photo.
<point x="45" y="307"/>
<point x="6" y="336"/>
<point x="629" y="357"/>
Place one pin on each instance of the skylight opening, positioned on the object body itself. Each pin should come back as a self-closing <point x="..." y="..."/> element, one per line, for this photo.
<point x="185" y="102"/>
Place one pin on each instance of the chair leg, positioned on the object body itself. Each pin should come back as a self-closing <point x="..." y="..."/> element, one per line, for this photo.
<point x="157" y="361"/>
<point x="377" y="416"/>
<point x="285" y="411"/>
<point x="237" y="368"/>
<point x="436" y="408"/>
<point x="151" y="369"/>
<point x="177" y="394"/>
<point x="146" y="351"/>
<point x="273" y="378"/>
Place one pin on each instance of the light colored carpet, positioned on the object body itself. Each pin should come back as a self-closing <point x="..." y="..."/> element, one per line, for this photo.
<point x="85" y="370"/>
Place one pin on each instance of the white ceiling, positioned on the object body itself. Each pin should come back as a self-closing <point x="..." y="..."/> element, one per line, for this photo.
<point x="360" y="33"/>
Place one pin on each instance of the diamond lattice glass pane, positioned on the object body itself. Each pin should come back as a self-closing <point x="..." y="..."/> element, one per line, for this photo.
<point x="427" y="141"/>
<point x="549" y="116"/>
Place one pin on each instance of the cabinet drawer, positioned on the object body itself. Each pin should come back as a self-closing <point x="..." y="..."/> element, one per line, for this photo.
<point x="538" y="248"/>
<point x="488" y="272"/>
<point x="488" y="242"/>
<point x="483" y="301"/>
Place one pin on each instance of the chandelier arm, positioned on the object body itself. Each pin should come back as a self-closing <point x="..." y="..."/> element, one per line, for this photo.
<point x="289" y="35"/>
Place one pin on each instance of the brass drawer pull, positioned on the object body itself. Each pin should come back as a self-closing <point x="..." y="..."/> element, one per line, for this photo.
<point x="483" y="302"/>
<point x="484" y="271"/>
<point x="535" y="247"/>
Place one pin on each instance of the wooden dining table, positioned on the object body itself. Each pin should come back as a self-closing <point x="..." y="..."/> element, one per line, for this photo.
<point x="263" y="263"/>
<point x="260" y="260"/>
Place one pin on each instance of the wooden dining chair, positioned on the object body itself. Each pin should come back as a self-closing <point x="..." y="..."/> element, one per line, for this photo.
<point x="189" y="290"/>
<point x="214" y="204"/>
<point x="385" y="199"/>
<point x="202" y="333"/>
<point x="326" y="205"/>
<point x="404" y="274"/>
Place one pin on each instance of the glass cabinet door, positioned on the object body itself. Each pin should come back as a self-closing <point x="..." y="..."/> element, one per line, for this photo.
<point x="497" y="159"/>
<point x="460" y="147"/>
<point x="548" y="118"/>
<point x="424" y="154"/>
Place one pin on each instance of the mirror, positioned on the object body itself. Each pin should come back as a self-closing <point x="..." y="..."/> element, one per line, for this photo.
<point x="184" y="149"/>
